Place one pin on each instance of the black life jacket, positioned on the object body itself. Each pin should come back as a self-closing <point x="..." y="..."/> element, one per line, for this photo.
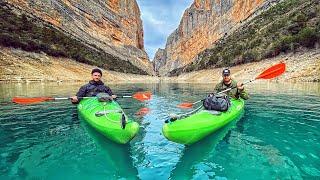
<point x="94" y="88"/>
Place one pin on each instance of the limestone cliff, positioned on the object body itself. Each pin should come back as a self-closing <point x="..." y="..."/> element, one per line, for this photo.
<point x="159" y="60"/>
<point x="203" y="24"/>
<point x="290" y="26"/>
<point x="108" y="34"/>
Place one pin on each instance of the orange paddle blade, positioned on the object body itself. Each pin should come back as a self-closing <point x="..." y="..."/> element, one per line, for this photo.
<point x="142" y="96"/>
<point x="30" y="100"/>
<point x="273" y="71"/>
<point x="185" y="105"/>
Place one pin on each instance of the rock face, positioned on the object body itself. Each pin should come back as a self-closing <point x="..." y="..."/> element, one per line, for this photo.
<point x="159" y="60"/>
<point x="290" y="26"/>
<point x="203" y="24"/>
<point x="113" y="26"/>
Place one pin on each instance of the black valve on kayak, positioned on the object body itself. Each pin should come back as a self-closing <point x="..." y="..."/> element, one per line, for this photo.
<point x="123" y="121"/>
<point x="170" y="120"/>
<point x="173" y="117"/>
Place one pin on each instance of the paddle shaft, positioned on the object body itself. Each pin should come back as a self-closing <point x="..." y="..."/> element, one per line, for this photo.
<point x="31" y="100"/>
<point x="68" y="98"/>
<point x="188" y="113"/>
<point x="177" y="117"/>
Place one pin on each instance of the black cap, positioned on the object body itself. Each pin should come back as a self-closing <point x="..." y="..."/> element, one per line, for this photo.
<point x="96" y="70"/>
<point x="226" y="72"/>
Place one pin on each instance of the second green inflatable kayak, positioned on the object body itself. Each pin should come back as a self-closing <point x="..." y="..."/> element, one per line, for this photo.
<point x="109" y="119"/>
<point x="193" y="128"/>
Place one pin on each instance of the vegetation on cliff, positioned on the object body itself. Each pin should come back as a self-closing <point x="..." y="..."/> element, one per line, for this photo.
<point x="287" y="27"/>
<point x="34" y="35"/>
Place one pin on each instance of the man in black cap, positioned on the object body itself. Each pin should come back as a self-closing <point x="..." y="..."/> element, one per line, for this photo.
<point x="94" y="87"/>
<point x="228" y="82"/>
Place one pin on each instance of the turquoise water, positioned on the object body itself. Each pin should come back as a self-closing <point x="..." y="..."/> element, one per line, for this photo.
<point x="277" y="138"/>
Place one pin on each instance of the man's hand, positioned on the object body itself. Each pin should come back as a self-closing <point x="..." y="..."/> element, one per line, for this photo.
<point x="240" y="86"/>
<point x="114" y="96"/>
<point x="74" y="99"/>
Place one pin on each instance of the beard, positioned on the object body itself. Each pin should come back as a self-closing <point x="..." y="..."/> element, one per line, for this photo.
<point x="227" y="81"/>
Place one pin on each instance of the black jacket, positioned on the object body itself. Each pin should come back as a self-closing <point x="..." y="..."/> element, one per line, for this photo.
<point x="93" y="88"/>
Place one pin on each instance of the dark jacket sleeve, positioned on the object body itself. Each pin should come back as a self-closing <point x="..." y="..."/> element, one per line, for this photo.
<point x="108" y="90"/>
<point x="82" y="91"/>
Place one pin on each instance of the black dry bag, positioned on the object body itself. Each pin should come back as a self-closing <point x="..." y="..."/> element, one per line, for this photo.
<point x="217" y="102"/>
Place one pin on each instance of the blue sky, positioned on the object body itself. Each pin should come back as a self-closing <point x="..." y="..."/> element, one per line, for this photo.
<point x="160" y="18"/>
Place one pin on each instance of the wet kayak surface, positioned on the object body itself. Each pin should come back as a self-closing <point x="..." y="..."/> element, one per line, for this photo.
<point x="278" y="136"/>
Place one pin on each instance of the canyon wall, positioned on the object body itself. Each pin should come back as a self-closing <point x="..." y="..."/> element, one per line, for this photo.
<point x="203" y="24"/>
<point x="108" y="34"/>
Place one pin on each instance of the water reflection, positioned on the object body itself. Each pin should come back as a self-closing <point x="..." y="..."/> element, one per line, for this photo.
<point x="201" y="151"/>
<point x="117" y="156"/>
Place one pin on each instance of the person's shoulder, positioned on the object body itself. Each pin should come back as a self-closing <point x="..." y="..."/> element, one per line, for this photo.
<point x="234" y="82"/>
<point x="218" y="86"/>
<point x="220" y="83"/>
<point x="85" y="85"/>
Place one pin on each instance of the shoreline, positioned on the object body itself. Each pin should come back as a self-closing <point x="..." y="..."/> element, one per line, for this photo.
<point x="18" y="66"/>
<point x="300" y="67"/>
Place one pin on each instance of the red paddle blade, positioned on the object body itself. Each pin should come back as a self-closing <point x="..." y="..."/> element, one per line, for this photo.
<point x="185" y="105"/>
<point x="142" y="96"/>
<point x="30" y="100"/>
<point x="273" y="71"/>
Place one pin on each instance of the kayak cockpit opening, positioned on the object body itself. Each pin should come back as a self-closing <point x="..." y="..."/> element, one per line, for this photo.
<point x="104" y="97"/>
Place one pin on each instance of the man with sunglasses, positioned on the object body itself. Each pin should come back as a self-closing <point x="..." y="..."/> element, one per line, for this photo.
<point x="94" y="87"/>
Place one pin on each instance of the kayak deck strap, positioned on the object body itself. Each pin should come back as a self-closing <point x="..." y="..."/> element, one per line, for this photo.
<point x="105" y="112"/>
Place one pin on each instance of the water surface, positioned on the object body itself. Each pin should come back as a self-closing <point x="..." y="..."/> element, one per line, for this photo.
<point x="277" y="138"/>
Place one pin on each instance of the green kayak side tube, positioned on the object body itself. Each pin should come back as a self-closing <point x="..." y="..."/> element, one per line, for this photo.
<point x="109" y="119"/>
<point x="195" y="127"/>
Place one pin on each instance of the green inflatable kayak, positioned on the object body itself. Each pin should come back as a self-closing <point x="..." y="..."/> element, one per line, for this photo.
<point x="109" y="119"/>
<point x="193" y="128"/>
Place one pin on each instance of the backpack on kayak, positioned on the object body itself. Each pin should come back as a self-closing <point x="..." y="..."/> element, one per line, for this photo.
<point x="217" y="102"/>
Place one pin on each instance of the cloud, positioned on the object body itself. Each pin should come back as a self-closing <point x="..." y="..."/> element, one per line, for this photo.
<point x="160" y="18"/>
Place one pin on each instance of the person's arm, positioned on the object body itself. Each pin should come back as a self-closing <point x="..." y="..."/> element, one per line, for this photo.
<point x="109" y="91"/>
<point x="80" y="93"/>
<point x="217" y="88"/>
<point x="241" y="92"/>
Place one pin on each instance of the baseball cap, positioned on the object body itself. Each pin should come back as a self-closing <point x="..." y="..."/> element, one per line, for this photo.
<point x="226" y="72"/>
